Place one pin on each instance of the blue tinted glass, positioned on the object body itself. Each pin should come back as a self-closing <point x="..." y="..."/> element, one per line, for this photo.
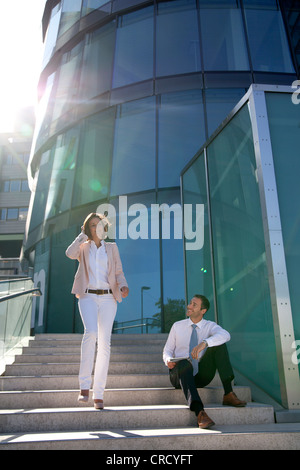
<point x="63" y="171"/>
<point x="90" y="5"/>
<point x="219" y="103"/>
<point x="241" y="274"/>
<point x="40" y="197"/>
<point x="70" y="14"/>
<point x="268" y="42"/>
<point x="67" y="87"/>
<point x="197" y="262"/>
<point x="141" y="265"/>
<point x="134" y="147"/>
<point x="173" y="272"/>
<point x="134" y="48"/>
<point x="177" y="38"/>
<point x="181" y="133"/>
<point x="97" y="62"/>
<point x="93" y="166"/>
<point x="284" y="121"/>
<point x="223" y="39"/>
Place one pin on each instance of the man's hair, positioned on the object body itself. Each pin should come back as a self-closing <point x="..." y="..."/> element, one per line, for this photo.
<point x="204" y="301"/>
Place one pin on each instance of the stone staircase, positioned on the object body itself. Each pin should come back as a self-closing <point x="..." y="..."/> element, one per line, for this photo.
<point x="39" y="408"/>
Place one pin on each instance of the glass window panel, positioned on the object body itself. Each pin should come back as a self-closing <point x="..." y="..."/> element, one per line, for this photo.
<point x="134" y="48"/>
<point x="260" y="4"/>
<point x="284" y="122"/>
<point x="198" y="262"/>
<point x="25" y="186"/>
<point x="70" y="14"/>
<point x="23" y="211"/>
<point x="181" y="133"/>
<point x="41" y="188"/>
<point x="3" y="213"/>
<point x="134" y="147"/>
<point x="93" y="168"/>
<point x="219" y="103"/>
<point x="12" y="214"/>
<point x="241" y="275"/>
<point x="97" y="62"/>
<point x="67" y="87"/>
<point x="6" y="186"/>
<point x="173" y="272"/>
<point x="61" y="184"/>
<point x="90" y="5"/>
<point x="51" y="35"/>
<point x="223" y="39"/>
<point x="141" y="265"/>
<point x="177" y="38"/>
<point x="217" y="3"/>
<point x="268" y="42"/>
<point x="15" y="186"/>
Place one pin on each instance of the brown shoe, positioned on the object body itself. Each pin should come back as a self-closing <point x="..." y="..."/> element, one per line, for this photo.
<point x="232" y="400"/>
<point x="204" y="420"/>
<point x="98" y="404"/>
<point x="83" y="396"/>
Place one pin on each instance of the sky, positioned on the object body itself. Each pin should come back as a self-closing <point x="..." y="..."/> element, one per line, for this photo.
<point x="21" y="53"/>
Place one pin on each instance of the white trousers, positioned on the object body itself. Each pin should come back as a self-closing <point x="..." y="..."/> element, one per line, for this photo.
<point x="98" y="313"/>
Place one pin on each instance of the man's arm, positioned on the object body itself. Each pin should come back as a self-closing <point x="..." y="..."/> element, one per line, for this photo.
<point x="169" y="349"/>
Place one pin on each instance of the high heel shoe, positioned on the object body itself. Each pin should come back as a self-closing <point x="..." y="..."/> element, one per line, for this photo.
<point x="83" y="396"/>
<point x="98" y="404"/>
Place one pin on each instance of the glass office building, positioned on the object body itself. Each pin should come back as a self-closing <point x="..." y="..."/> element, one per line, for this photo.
<point x="129" y="92"/>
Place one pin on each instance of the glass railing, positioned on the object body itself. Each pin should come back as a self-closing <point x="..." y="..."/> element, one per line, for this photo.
<point x="15" y="317"/>
<point x="147" y="325"/>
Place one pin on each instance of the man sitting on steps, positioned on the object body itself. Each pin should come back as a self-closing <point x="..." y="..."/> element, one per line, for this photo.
<point x="194" y="351"/>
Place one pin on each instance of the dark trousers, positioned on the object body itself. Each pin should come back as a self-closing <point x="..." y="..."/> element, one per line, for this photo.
<point x="214" y="359"/>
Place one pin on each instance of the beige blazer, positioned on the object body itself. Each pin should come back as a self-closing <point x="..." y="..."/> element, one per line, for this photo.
<point x="79" y="250"/>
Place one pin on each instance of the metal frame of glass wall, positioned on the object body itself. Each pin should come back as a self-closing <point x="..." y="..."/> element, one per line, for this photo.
<point x="255" y="151"/>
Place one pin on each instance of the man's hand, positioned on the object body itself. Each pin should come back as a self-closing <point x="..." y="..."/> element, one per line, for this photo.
<point x="171" y="365"/>
<point x="197" y="350"/>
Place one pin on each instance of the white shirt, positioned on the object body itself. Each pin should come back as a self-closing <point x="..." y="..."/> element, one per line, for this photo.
<point x="98" y="278"/>
<point x="178" y="342"/>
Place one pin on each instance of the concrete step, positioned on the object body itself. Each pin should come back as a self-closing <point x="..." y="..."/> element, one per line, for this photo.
<point x="112" y="397"/>
<point x="70" y="382"/>
<point x="153" y="416"/>
<point x="72" y="369"/>
<point x="221" y="437"/>
<point x="116" y="349"/>
<point x="117" y="340"/>
<point x="40" y="410"/>
<point x="74" y="357"/>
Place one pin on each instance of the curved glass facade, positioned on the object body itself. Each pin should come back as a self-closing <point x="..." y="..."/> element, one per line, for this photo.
<point x="130" y="91"/>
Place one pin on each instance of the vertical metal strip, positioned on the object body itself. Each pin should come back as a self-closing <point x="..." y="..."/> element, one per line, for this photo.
<point x="278" y="279"/>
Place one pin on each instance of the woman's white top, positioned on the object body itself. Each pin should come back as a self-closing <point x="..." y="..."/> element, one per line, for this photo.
<point x="98" y="278"/>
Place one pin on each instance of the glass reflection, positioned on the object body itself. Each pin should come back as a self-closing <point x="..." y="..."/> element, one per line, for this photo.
<point x="134" y="48"/>
<point x="177" y="38"/>
<point x="134" y="147"/>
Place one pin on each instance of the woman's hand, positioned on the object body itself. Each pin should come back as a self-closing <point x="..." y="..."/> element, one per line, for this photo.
<point x="124" y="291"/>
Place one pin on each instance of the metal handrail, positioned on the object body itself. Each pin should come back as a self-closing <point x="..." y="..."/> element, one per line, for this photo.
<point x="36" y="290"/>
<point x="3" y="281"/>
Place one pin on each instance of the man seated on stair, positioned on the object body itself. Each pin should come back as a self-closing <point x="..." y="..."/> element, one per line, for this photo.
<point x="195" y="350"/>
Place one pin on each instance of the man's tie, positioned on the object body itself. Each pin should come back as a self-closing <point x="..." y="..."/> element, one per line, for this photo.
<point x="193" y="344"/>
